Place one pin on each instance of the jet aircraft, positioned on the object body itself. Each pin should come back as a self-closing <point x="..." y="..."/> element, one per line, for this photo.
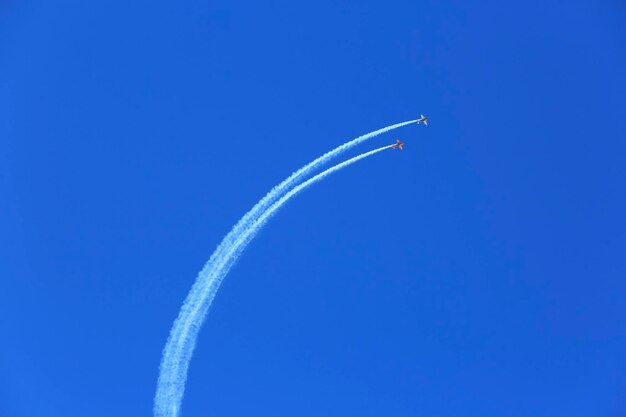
<point x="398" y="145"/>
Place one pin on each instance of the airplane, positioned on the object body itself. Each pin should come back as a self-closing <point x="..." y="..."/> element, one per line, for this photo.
<point x="422" y="119"/>
<point x="399" y="145"/>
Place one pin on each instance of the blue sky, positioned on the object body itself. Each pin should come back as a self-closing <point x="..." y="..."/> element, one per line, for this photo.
<point x="479" y="272"/>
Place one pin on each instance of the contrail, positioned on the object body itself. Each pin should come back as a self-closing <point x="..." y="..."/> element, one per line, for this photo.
<point x="261" y="206"/>
<point x="180" y="345"/>
<point x="281" y="188"/>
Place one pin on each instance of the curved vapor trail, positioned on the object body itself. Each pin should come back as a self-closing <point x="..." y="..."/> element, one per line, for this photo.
<point x="261" y="206"/>
<point x="276" y="192"/>
<point x="180" y="345"/>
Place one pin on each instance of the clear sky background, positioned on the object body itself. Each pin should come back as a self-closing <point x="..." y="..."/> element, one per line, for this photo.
<point x="481" y="272"/>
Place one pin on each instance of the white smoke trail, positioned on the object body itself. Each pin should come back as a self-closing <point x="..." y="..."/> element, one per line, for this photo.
<point x="177" y="353"/>
<point x="275" y="193"/>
